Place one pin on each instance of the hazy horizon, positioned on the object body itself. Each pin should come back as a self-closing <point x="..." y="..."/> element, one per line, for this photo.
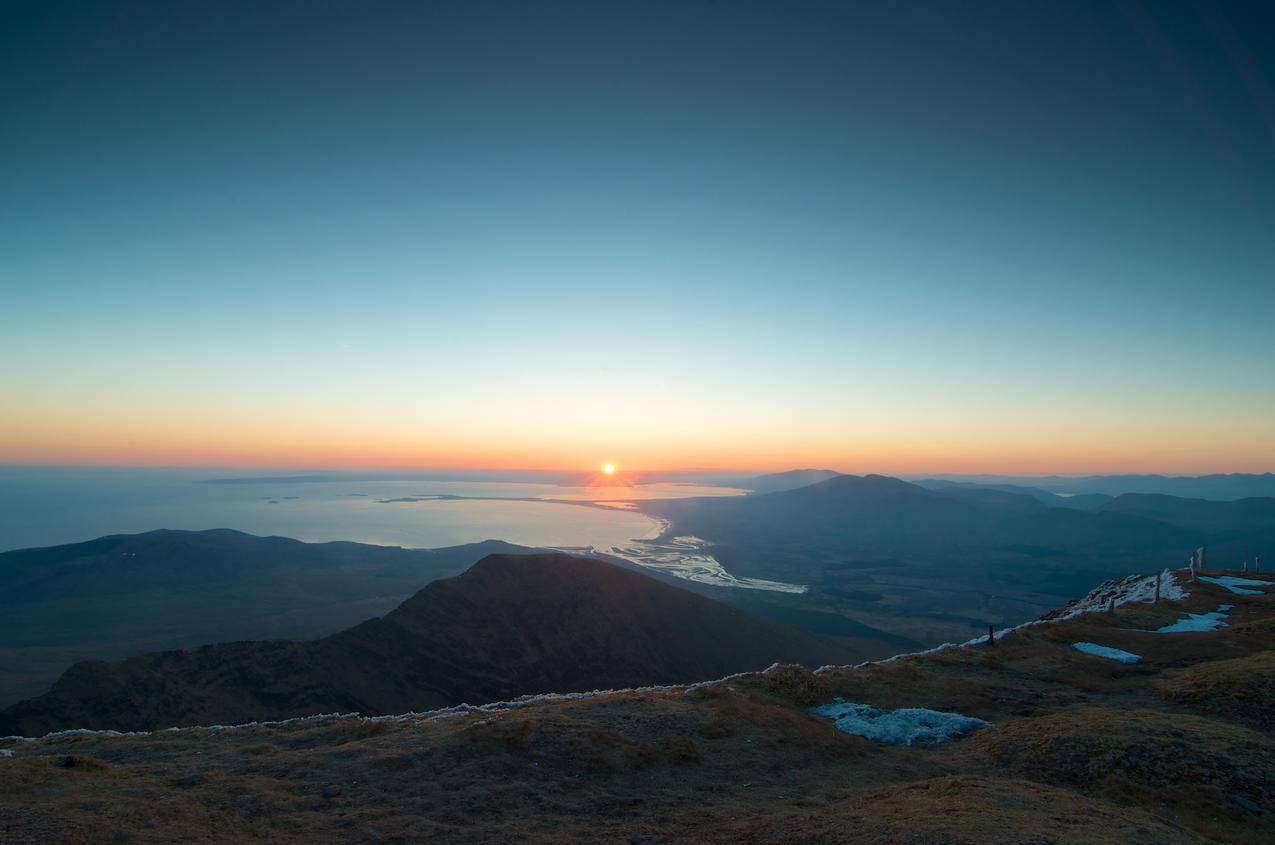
<point x="626" y="474"/>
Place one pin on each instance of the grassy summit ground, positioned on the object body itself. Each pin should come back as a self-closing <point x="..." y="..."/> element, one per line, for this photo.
<point x="1177" y="748"/>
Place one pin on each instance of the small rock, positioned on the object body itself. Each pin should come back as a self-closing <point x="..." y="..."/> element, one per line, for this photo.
<point x="190" y="780"/>
<point x="331" y="791"/>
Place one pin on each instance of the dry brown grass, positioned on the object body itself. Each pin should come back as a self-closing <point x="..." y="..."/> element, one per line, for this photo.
<point x="1178" y="748"/>
<point x="1241" y="689"/>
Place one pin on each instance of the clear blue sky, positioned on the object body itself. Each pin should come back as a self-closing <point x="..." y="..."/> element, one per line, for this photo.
<point x="883" y="236"/>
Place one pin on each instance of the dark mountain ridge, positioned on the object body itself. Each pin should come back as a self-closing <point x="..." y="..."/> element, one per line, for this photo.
<point x="129" y="593"/>
<point x="510" y="625"/>
<point x="1224" y="486"/>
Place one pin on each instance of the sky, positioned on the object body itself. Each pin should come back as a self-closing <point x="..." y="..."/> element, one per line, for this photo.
<point x="874" y="236"/>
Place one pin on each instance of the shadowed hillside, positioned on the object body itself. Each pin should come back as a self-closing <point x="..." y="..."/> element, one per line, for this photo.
<point x="124" y="594"/>
<point x="512" y="624"/>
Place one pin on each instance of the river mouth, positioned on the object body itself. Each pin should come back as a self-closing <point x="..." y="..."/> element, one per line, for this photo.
<point x="688" y="557"/>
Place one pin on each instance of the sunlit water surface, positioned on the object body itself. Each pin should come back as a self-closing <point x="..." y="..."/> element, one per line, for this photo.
<point x="45" y="507"/>
<point x="42" y="507"/>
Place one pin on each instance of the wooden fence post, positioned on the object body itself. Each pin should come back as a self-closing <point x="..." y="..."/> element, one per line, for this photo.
<point x="991" y="636"/>
<point x="1158" y="578"/>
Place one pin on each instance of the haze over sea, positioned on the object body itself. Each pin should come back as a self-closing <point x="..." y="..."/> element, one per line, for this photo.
<point x="50" y="506"/>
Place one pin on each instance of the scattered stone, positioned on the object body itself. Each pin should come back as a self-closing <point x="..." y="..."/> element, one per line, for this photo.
<point x="191" y="780"/>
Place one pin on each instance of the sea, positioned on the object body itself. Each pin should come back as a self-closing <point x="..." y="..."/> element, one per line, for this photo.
<point x="50" y="506"/>
<point x="47" y="506"/>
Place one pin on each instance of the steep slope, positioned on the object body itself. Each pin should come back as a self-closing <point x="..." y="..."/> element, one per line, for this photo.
<point x="129" y="593"/>
<point x="512" y="624"/>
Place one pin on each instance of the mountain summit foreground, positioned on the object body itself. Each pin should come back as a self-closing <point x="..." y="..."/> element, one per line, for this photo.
<point x="1178" y="747"/>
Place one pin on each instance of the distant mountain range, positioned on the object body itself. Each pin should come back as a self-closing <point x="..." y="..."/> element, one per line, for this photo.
<point x="1238" y="485"/>
<point x="789" y="480"/>
<point x="939" y="561"/>
<point x="876" y="514"/>
<point x="1079" y="501"/>
<point x="512" y="624"/>
<point x="1082" y="492"/>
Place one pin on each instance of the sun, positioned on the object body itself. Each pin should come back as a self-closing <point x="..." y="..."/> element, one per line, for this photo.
<point x="608" y="469"/>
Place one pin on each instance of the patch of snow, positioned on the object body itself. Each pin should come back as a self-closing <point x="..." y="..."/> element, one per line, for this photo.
<point x="897" y="727"/>
<point x="88" y="732"/>
<point x="4" y="752"/>
<point x="1237" y="585"/>
<point x="1107" y="652"/>
<point x="1199" y="621"/>
<point x="1121" y="591"/>
<point x="1118" y="590"/>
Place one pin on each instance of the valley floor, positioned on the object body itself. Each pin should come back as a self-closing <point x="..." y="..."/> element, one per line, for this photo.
<point x="1178" y="747"/>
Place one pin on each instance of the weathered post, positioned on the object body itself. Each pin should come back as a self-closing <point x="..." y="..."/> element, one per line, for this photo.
<point x="1244" y="569"/>
<point x="1158" y="578"/>
<point x="1192" y="566"/>
<point x="1111" y="605"/>
<point x="991" y="636"/>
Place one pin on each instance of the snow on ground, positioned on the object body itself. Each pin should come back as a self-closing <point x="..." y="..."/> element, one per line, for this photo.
<point x="897" y="727"/>
<point x="1107" y="652"/>
<point x="1199" y="621"/>
<point x="1237" y="585"/>
<point x="1123" y="591"/>
<point x="1118" y="591"/>
<point x="4" y="752"/>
